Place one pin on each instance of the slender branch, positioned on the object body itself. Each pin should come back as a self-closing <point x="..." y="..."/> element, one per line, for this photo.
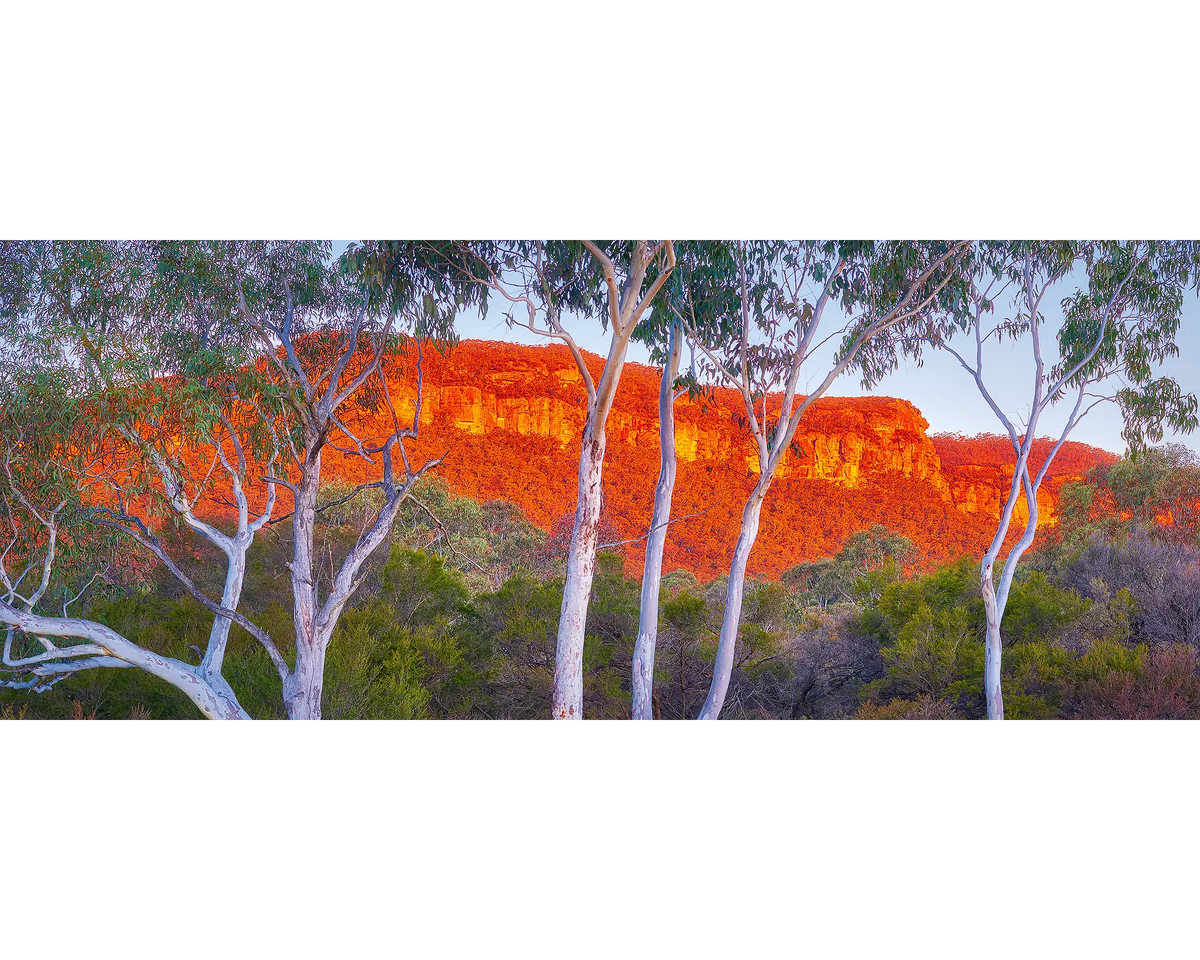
<point x="657" y="526"/>
<point x="147" y="539"/>
<point x="610" y="279"/>
<point x="378" y="484"/>
<point x="493" y="282"/>
<point x="99" y="573"/>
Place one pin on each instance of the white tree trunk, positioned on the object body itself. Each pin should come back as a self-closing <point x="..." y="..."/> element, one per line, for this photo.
<point x="212" y="695"/>
<point x="996" y="601"/>
<point x="567" y="703"/>
<point x="107" y="648"/>
<point x="303" y="696"/>
<point x="226" y="706"/>
<point x="316" y="621"/>
<point x="303" y="689"/>
<point x="991" y="661"/>
<point x="723" y="668"/>
<point x="218" y="639"/>
<point x="581" y="568"/>
<point x="647" y="638"/>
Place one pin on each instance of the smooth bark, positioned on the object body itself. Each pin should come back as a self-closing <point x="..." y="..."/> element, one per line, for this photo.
<point x="1033" y="290"/>
<point x="581" y="569"/>
<point x="772" y="443"/>
<point x="626" y="306"/>
<point x="107" y="648"/>
<point x="734" y="593"/>
<point x="315" y="620"/>
<point x="647" y="638"/>
<point x="992" y="693"/>
<point x="204" y="683"/>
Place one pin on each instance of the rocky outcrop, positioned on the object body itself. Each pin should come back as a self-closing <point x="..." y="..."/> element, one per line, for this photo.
<point x="478" y="411"/>
<point x="848" y="441"/>
<point x="983" y="489"/>
<point x="484" y="387"/>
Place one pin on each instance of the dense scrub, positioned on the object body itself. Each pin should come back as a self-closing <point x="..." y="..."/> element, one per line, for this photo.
<point x="459" y="621"/>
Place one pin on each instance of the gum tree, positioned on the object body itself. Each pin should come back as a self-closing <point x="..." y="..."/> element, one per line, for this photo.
<point x="785" y="292"/>
<point x="656" y="536"/>
<point x="698" y="293"/>
<point x="271" y="354"/>
<point x="50" y="499"/>
<point x="108" y="417"/>
<point x="612" y="284"/>
<point x="1120" y="304"/>
<point x="325" y="361"/>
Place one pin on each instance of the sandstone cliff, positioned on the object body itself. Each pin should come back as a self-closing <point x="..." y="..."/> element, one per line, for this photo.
<point x="485" y="388"/>
<point x="845" y="442"/>
<point x="508" y="420"/>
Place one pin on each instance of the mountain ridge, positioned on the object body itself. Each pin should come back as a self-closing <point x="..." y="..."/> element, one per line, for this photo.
<point x="855" y="461"/>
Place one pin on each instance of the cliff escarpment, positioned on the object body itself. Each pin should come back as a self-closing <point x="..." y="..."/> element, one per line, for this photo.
<point x="510" y="418"/>
<point x="477" y="391"/>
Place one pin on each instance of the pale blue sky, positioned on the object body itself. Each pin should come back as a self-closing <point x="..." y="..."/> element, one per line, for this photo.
<point x="943" y="392"/>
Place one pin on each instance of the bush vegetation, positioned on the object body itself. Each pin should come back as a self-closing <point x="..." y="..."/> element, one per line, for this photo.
<point x="459" y="620"/>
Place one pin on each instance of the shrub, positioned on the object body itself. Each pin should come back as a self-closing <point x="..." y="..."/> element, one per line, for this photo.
<point x="923" y="708"/>
<point x="1162" y="686"/>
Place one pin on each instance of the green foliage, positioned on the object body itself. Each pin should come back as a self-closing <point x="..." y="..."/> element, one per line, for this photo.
<point x="1108" y="618"/>
<point x="1037" y="676"/>
<point x="485" y="542"/>
<point x="517" y="626"/>
<point x="1038" y="610"/>
<point x="930" y="634"/>
<point x="426" y="278"/>
<point x="715" y="590"/>
<point x="687" y="636"/>
<point x="869" y="561"/>
<point x="416" y="644"/>
<point x="1163" y="684"/>
<point x="375" y="667"/>
<point x="678" y="580"/>
<point x="950" y="587"/>
<point x="343" y="509"/>
<point x="768" y="605"/>
<point x="756" y="305"/>
<point x="1154" y="491"/>
<point x="933" y="653"/>
<point x="419" y="588"/>
<point x="686" y="613"/>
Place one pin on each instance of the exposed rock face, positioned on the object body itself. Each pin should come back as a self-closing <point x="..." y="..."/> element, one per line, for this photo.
<point x="844" y="440"/>
<point x="476" y="411"/>
<point x="983" y="489"/>
<point x="847" y="441"/>
<point x="485" y="387"/>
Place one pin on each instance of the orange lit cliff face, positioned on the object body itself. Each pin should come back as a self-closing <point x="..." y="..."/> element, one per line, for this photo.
<point x="980" y="470"/>
<point x="511" y="418"/>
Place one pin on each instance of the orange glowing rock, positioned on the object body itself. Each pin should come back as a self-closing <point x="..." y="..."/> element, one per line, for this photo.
<point x="511" y="418"/>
